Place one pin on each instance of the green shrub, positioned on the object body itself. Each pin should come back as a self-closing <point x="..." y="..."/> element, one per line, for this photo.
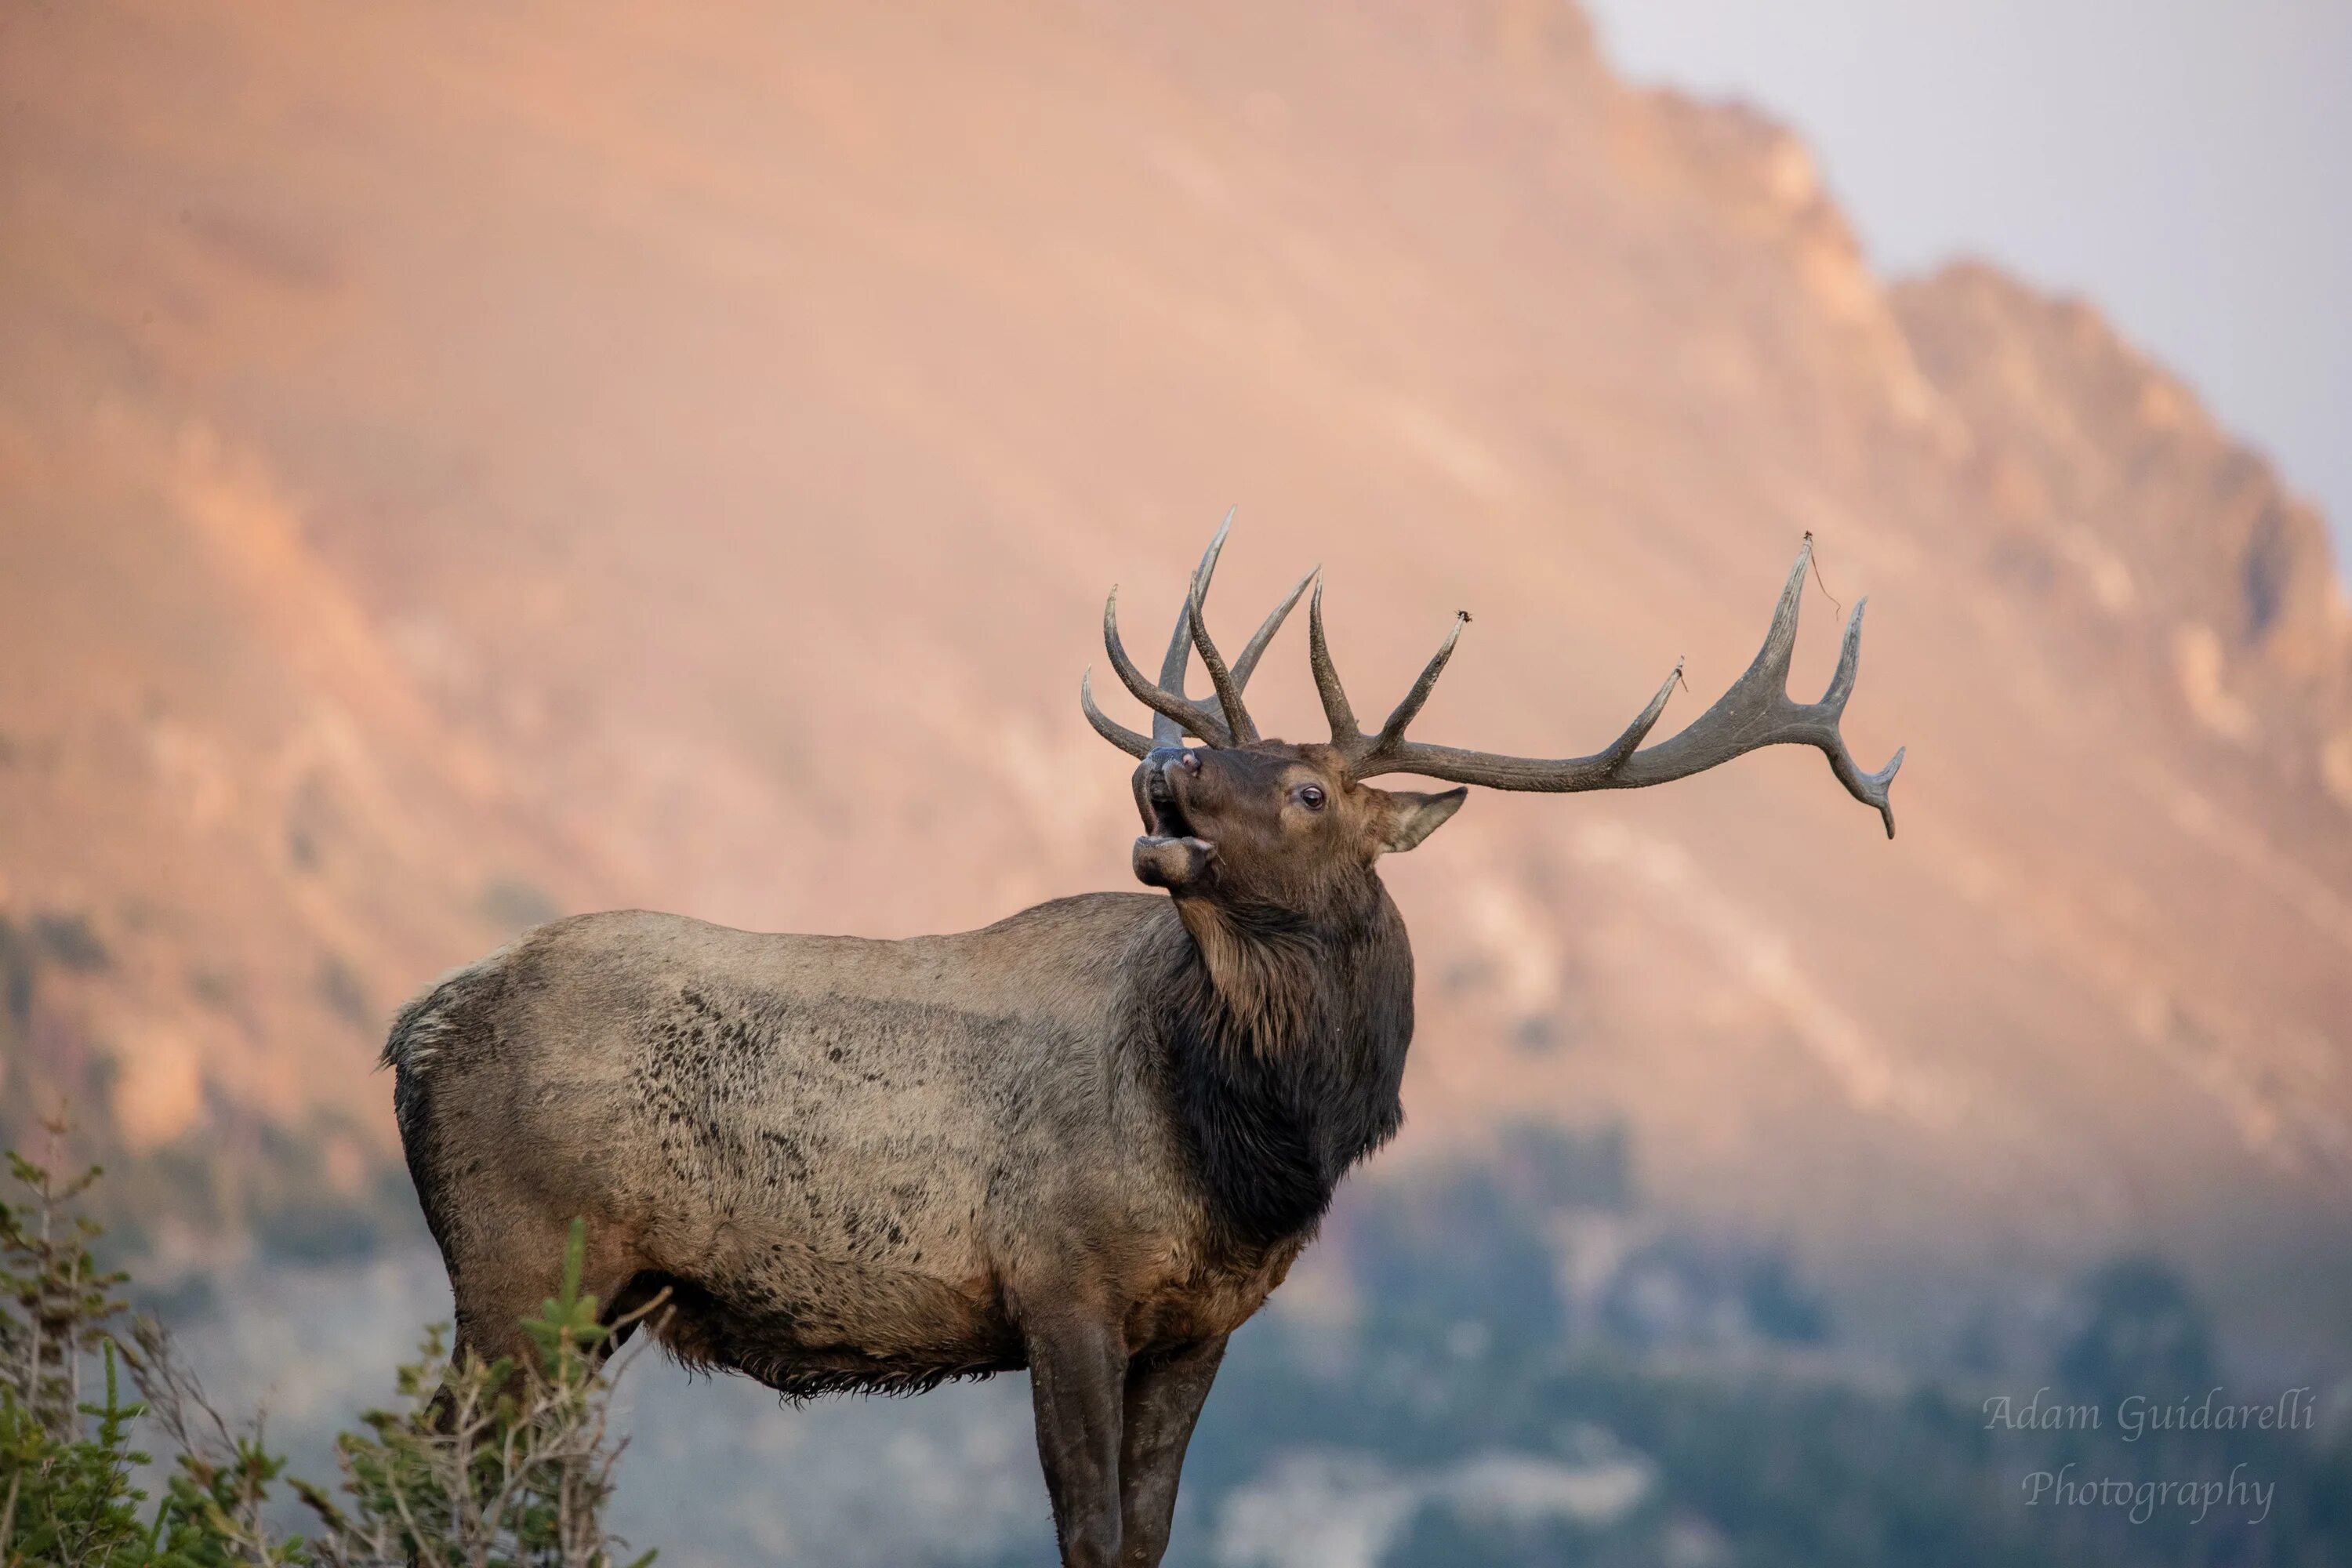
<point x="477" y="1466"/>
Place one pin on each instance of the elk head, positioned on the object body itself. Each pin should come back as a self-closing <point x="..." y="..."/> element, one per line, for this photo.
<point x="1247" y="822"/>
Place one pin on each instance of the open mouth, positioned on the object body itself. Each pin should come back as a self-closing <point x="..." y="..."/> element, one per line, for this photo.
<point x="1168" y="818"/>
<point x="1172" y="854"/>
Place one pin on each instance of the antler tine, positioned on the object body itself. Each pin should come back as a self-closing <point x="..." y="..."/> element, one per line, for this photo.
<point x="1174" y="714"/>
<point x="1335" y="711"/>
<point x="1255" y="648"/>
<point x="1406" y="711"/>
<point x="1164" y="730"/>
<point x="1755" y="711"/>
<point x="1614" y="754"/>
<point x="1230" y="682"/>
<point x="1110" y="729"/>
<point x="1229" y="694"/>
<point x="1840" y="685"/>
<point x="1192" y="717"/>
<point x="1363" y="751"/>
<point x="1870" y="788"/>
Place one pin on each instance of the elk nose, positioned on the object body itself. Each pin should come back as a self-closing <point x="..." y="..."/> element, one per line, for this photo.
<point x="1165" y="757"/>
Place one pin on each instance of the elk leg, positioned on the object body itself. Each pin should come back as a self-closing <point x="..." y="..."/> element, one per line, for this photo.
<point x="500" y="1280"/>
<point x="1163" y="1400"/>
<point x="1077" y="1372"/>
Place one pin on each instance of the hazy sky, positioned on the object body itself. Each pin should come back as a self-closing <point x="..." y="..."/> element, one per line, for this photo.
<point x="2187" y="164"/>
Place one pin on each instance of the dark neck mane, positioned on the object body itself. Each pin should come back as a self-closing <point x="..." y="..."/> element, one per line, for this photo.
<point x="1283" y="1040"/>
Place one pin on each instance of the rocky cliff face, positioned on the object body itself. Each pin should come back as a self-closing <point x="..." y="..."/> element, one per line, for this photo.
<point x="2108" y="490"/>
<point x="459" y="465"/>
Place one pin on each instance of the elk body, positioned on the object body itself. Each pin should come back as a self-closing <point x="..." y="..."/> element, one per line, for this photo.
<point x="1088" y="1140"/>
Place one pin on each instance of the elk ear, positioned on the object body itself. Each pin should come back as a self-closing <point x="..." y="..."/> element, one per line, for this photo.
<point x="1413" y="816"/>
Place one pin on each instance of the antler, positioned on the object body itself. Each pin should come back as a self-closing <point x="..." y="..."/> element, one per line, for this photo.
<point x="1756" y="711"/>
<point x="1175" y="715"/>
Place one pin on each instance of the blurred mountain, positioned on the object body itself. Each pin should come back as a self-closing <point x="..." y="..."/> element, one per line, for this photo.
<point x="458" y="464"/>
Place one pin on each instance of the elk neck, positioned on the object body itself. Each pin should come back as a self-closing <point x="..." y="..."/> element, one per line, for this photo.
<point x="1282" y="1040"/>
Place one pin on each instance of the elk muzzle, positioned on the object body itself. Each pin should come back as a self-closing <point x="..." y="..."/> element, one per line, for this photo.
<point x="1169" y="854"/>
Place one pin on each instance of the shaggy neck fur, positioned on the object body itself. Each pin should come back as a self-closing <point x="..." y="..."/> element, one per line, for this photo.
<point x="1284" y="1039"/>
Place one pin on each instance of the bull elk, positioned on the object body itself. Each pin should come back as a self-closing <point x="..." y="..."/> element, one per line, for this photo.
<point x="1086" y="1141"/>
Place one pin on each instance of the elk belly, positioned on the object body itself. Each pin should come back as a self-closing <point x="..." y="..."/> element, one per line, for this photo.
<point x="806" y="1324"/>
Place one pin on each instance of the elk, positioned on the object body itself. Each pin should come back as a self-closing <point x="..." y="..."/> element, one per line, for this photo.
<point x="1086" y="1141"/>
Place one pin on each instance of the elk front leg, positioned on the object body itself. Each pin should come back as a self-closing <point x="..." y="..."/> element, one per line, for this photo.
<point x="1163" y="1401"/>
<point x="1077" y="1374"/>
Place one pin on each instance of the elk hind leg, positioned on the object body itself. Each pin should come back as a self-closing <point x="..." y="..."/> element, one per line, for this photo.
<point x="502" y="1279"/>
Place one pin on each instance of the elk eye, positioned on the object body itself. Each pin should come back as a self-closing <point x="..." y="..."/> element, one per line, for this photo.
<point x="1311" y="797"/>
